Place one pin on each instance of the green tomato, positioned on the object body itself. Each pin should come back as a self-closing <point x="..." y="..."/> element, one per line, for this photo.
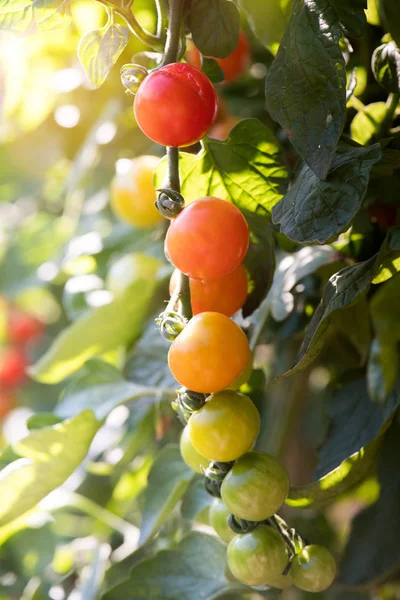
<point x="129" y="269"/>
<point x="243" y="377"/>
<point x="219" y="520"/>
<point x="313" y="569"/>
<point x="282" y="582"/>
<point x="192" y="458"/>
<point x="258" y="557"/>
<point x="255" y="487"/>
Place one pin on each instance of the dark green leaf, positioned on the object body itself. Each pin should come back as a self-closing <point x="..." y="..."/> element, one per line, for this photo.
<point x="103" y="329"/>
<point x="41" y="420"/>
<point x="38" y="16"/>
<point x="389" y="12"/>
<point x="225" y="169"/>
<point x="195" y="499"/>
<point x="48" y="457"/>
<point x="316" y="211"/>
<point x="373" y="550"/>
<point x="355" y="422"/>
<point x="212" y="69"/>
<point x="354" y="323"/>
<point x="267" y="19"/>
<point x="168" y="480"/>
<point x="351" y="15"/>
<point x="215" y="26"/>
<point x="385" y="311"/>
<point x="306" y="85"/>
<point x="343" y="290"/>
<point x="196" y="569"/>
<point x="381" y="370"/>
<point x="99" y="50"/>
<point x="367" y="123"/>
<point x="386" y="67"/>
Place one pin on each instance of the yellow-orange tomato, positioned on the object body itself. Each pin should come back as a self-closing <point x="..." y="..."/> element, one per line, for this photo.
<point x="133" y="194"/>
<point x="225" y="427"/>
<point x="226" y="295"/>
<point x="209" y="353"/>
<point x="191" y="457"/>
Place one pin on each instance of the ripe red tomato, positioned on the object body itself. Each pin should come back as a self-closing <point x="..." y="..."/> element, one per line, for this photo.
<point x="226" y="295"/>
<point x="208" y="239"/>
<point x="233" y="65"/>
<point x="7" y="402"/>
<point x="222" y="129"/>
<point x="176" y="105"/>
<point x="209" y="353"/>
<point x="13" y="366"/>
<point x="225" y="427"/>
<point x="384" y="214"/>
<point x="22" y="327"/>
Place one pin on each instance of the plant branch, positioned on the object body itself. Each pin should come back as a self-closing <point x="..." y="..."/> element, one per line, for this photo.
<point x="149" y="39"/>
<point x="171" y="51"/>
<point x="391" y="104"/>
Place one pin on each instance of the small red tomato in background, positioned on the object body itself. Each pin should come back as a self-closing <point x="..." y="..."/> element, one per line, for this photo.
<point x="208" y="239"/>
<point x="384" y="214"/>
<point x="226" y="295"/>
<point x="176" y="105"/>
<point x="7" y="403"/>
<point x="222" y="129"/>
<point x="233" y="65"/>
<point x="13" y="365"/>
<point x="22" y="327"/>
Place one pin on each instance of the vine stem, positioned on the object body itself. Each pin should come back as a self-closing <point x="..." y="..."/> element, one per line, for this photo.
<point x="172" y="181"/>
<point x="391" y="104"/>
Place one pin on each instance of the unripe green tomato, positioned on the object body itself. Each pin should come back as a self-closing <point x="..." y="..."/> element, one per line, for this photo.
<point x="243" y="377"/>
<point x="225" y="427"/>
<point x="255" y="487"/>
<point x="313" y="569"/>
<point x="258" y="557"/>
<point x="282" y="582"/>
<point x="219" y="520"/>
<point x="192" y="458"/>
<point x="129" y="269"/>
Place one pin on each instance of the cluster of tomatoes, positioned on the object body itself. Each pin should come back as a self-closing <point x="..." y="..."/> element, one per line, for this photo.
<point x="20" y="329"/>
<point x="207" y="241"/>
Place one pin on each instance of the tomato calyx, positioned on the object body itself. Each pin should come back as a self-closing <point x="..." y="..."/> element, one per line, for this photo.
<point x="169" y="202"/>
<point x="132" y="76"/>
<point x="215" y="475"/>
<point x="171" y="324"/>
<point x="241" y="525"/>
<point x="186" y="403"/>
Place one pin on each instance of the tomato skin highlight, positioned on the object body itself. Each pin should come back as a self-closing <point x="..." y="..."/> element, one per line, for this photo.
<point x="198" y="357"/>
<point x="219" y="520"/>
<point x="226" y="295"/>
<point x="258" y="557"/>
<point x="256" y="487"/>
<point x="208" y="239"/>
<point x="313" y="569"/>
<point x="13" y="365"/>
<point x="225" y="427"/>
<point x="189" y="454"/>
<point x="176" y="105"/>
<point x="133" y="194"/>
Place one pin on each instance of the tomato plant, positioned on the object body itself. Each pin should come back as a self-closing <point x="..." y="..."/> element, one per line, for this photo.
<point x="176" y="105"/>
<point x="137" y="427"/>
<point x="208" y="240"/>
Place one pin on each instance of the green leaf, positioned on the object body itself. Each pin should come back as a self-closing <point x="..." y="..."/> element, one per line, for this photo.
<point x="103" y="329"/>
<point x="354" y="323"/>
<point x="381" y="370"/>
<point x="316" y="211"/>
<point x="169" y="478"/>
<point x="225" y="169"/>
<point x="38" y="16"/>
<point x="195" y="569"/>
<point x="267" y="19"/>
<point x="385" y="311"/>
<point x="98" y="50"/>
<point x="41" y="420"/>
<point x="366" y="124"/>
<point x="290" y="270"/>
<point x="306" y="84"/>
<point x="215" y="26"/>
<point x="389" y="268"/>
<point x="49" y="457"/>
<point x="386" y="67"/>
<point x="195" y="500"/>
<point x="389" y="13"/>
<point x="344" y="289"/>
<point x="13" y="5"/>
<point x="372" y="551"/>
<point x="212" y="69"/>
<point x="99" y="387"/>
<point x="351" y="15"/>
